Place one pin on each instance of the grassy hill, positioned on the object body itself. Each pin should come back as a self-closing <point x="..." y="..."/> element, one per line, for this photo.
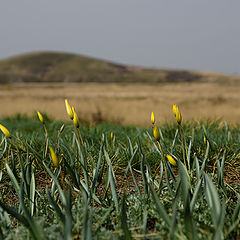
<point x="63" y="67"/>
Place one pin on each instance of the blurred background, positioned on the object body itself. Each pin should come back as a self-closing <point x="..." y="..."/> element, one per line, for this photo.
<point x="119" y="60"/>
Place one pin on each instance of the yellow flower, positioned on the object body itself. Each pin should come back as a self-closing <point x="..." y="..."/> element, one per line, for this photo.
<point x="75" y="118"/>
<point x="156" y="133"/>
<point x="5" y="131"/>
<point x="171" y="160"/>
<point x="69" y="110"/>
<point x="178" y="116"/>
<point x="54" y="157"/>
<point x="61" y="128"/>
<point x="205" y="140"/>
<point x="174" y="108"/>
<point x="112" y="135"/>
<point x="152" y="118"/>
<point x="40" y="117"/>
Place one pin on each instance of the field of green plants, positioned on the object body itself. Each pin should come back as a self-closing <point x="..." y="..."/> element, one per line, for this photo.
<point x="66" y="180"/>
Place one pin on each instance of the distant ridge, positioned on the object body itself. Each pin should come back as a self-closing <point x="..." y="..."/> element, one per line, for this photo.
<point x="64" y="67"/>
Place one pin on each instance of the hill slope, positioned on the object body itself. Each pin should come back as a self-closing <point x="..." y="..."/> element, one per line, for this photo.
<point x="62" y="67"/>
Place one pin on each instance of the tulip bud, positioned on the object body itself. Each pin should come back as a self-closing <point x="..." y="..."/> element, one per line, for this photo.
<point x="156" y="133"/>
<point x="61" y="128"/>
<point x="40" y="117"/>
<point x="174" y="108"/>
<point x="5" y="131"/>
<point x="112" y="135"/>
<point x="171" y="160"/>
<point x="152" y="118"/>
<point x="178" y="116"/>
<point x="69" y="110"/>
<point x="75" y="118"/>
<point x="54" y="157"/>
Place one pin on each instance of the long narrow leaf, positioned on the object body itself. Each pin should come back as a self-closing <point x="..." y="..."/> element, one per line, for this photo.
<point x="14" y="180"/>
<point x="32" y="194"/>
<point x="57" y="183"/>
<point x="160" y="208"/>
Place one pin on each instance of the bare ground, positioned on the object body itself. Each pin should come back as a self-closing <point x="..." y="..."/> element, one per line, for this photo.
<point x="124" y="103"/>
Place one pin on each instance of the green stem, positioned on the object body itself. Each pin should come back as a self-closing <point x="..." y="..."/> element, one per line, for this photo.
<point x="183" y="141"/>
<point x="46" y="136"/>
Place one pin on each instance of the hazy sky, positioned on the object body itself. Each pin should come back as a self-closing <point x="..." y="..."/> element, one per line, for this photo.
<point x="184" y="34"/>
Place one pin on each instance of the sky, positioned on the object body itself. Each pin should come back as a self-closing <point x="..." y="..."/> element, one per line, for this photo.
<point x="180" y="34"/>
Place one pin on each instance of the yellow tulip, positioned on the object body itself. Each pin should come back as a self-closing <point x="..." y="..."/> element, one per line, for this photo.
<point x="40" y="117"/>
<point x="178" y="116"/>
<point x="152" y="118"/>
<point x="171" y="160"/>
<point x="54" y="157"/>
<point x="112" y="135"/>
<point x="75" y="118"/>
<point x="156" y="133"/>
<point x="5" y="131"/>
<point x="69" y="110"/>
<point x="62" y="128"/>
<point x="174" y="108"/>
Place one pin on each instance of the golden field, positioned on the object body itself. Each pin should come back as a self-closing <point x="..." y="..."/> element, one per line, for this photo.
<point x="129" y="103"/>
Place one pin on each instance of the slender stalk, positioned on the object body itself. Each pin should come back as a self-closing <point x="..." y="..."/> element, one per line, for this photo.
<point x="161" y="149"/>
<point x="46" y="135"/>
<point x="82" y="141"/>
<point x="183" y="146"/>
<point x="78" y="138"/>
<point x="56" y="144"/>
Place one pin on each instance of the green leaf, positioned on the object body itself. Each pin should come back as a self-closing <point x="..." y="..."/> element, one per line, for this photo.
<point x="4" y="148"/>
<point x="32" y="193"/>
<point x="130" y="161"/>
<point x="195" y="194"/>
<point x="196" y="162"/>
<point x="55" y="206"/>
<point x="98" y="167"/>
<point x="185" y="185"/>
<point x="34" y="228"/>
<point x="174" y="141"/>
<point x="68" y="217"/>
<point x="113" y="188"/>
<point x="134" y="180"/>
<point x="213" y="200"/>
<point x="160" y="208"/>
<point x="236" y="212"/>
<point x="205" y="157"/>
<point x="63" y="199"/>
<point x="126" y="233"/>
<point x="85" y="218"/>
<point x="14" y="213"/>
<point x="13" y="179"/>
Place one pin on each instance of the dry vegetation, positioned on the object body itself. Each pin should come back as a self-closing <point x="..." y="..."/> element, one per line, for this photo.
<point x="124" y="103"/>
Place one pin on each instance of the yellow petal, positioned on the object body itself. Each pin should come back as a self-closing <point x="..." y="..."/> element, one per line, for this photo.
<point x="5" y="131"/>
<point x="156" y="133"/>
<point x="152" y="118"/>
<point x="112" y="135"/>
<point x="171" y="160"/>
<point x="178" y="116"/>
<point x="174" y="108"/>
<point x="54" y="157"/>
<point x="69" y="110"/>
<point x="61" y="128"/>
<point x="75" y="119"/>
<point x="40" y="117"/>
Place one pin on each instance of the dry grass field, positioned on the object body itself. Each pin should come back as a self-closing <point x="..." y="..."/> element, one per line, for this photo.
<point x="124" y="103"/>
